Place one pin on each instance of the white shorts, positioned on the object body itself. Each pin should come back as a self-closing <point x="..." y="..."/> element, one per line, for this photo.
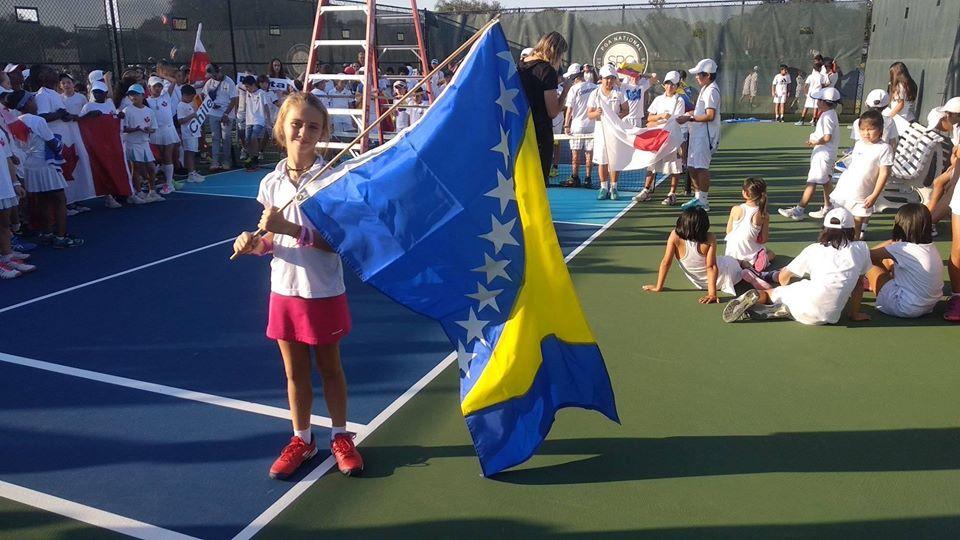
<point x="671" y="165"/>
<point x="779" y="99"/>
<point x="855" y="207"/>
<point x="139" y="153"/>
<point x="164" y="136"/>
<point x="821" y="168"/>
<point x="190" y="144"/>
<point x="585" y="143"/>
<point x="890" y="301"/>
<point x="796" y="296"/>
<point x="10" y="202"/>
<point x="699" y="154"/>
<point x="810" y="103"/>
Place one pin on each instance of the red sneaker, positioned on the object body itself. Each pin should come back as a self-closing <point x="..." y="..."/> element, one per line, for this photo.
<point x="292" y="456"/>
<point x="348" y="459"/>
<point x="953" y="309"/>
<point x="762" y="261"/>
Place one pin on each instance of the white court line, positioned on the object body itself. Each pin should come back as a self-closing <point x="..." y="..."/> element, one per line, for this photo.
<point x="301" y="487"/>
<point x="216" y="195"/>
<point x="171" y="391"/>
<point x="88" y="514"/>
<point x="111" y="276"/>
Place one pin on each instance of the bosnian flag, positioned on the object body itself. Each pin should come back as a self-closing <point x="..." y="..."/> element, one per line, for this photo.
<point x="200" y="60"/>
<point x="630" y="148"/>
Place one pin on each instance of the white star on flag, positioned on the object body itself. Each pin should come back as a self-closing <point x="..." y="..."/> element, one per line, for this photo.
<point x="504" y="191"/>
<point x="506" y="55"/>
<point x="474" y="327"/>
<point x="486" y="298"/>
<point x="505" y="101"/>
<point x="464" y="358"/>
<point x="503" y="147"/>
<point x="493" y="268"/>
<point x="500" y="234"/>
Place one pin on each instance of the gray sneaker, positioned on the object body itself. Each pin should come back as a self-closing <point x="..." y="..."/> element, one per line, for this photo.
<point x="736" y="309"/>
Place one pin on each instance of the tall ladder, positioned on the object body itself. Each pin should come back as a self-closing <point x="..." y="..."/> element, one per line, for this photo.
<point x="362" y="117"/>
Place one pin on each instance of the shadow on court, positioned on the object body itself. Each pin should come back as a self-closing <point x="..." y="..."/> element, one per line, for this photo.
<point x="626" y="459"/>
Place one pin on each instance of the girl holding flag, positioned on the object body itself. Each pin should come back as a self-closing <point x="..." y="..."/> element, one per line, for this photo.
<point x="607" y="97"/>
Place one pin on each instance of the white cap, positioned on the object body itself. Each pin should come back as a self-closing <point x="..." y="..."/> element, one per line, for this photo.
<point x="672" y="77"/>
<point x="95" y="75"/>
<point x="607" y="71"/>
<point x="704" y="66"/>
<point x="842" y="215"/>
<point x="951" y="106"/>
<point x="99" y="85"/>
<point x="937" y="114"/>
<point x="434" y="62"/>
<point x="399" y="84"/>
<point x="877" y="98"/>
<point x="152" y="81"/>
<point x="573" y="70"/>
<point x="755" y="68"/>
<point x="526" y="52"/>
<point x="827" y="94"/>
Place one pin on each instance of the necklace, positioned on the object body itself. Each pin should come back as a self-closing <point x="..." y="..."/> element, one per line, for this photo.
<point x="299" y="170"/>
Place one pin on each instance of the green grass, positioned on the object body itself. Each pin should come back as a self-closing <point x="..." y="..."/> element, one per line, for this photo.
<point x="762" y="430"/>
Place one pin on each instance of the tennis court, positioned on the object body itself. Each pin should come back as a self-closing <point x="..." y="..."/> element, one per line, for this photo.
<point x="140" y="395"/>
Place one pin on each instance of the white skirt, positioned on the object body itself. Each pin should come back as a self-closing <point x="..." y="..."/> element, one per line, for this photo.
<point x="164" y="136"/>
<point x="8" y="203"/>
<point x="38" y="179"/>
<point x="139" y="152"/>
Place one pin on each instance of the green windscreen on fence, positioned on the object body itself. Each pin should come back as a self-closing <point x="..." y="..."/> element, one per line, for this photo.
<point x="738" y="37"/>
<point x="926" y="37"/>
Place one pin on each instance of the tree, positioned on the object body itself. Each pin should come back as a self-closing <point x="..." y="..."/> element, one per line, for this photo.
<point x="467" y="5"/>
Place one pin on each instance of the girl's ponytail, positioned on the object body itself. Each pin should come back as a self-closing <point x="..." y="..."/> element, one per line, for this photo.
<point x="756" y="190"/>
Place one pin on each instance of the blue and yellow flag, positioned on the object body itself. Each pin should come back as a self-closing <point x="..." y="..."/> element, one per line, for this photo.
<point x="451" y="219"/>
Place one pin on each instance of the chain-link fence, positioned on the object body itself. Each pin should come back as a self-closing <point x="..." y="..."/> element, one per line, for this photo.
<point x="246" y="35"/>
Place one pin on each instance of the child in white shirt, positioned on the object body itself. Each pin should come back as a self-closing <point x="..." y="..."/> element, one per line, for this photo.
<point x="665" y="106"/>
<point x="835" y="266"/>
<point x="907" y="275"/>
<point x="12" y="263"/>
<point x="824" y="141"/>
<point x="576" y="122"/>
<point x="139" y="123"/>
<point x="190" y="142"/>
<point x="606" y="99"/>
<point x="164" y="136"/>
<point x="748" y="227"/>
<point x="778" y="89"/>
<point x="863" y="180"/>
<point x="74" y="101"/>
<point x="257" y="102"/>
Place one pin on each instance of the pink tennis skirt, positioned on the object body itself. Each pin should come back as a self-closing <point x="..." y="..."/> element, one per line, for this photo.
<point x="313" y="321"/>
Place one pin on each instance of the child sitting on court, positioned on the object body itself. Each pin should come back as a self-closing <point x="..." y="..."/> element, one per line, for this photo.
<point x="835" y="264"/>
<point x="824" y="141"/>
<point x="866" y="174"/>
<point x="308" y="301"/>
<point x="748" y="227"/>
<point x="695" y="248"/>
<point x="907" y="273"/>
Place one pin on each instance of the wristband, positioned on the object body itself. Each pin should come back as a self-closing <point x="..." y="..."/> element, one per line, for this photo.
<point x="267" y="244"/>
<point x="306" y="237"/>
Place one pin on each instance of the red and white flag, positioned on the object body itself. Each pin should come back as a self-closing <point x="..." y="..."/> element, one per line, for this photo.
<point x="630" y="148"/>
<point x="199" y="61"/>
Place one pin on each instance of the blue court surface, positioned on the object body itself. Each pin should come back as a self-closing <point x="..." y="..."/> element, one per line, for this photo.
<point x="137" y="388"/>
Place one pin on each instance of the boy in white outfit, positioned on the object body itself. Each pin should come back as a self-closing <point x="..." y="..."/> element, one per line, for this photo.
<point x="824" y="141"/>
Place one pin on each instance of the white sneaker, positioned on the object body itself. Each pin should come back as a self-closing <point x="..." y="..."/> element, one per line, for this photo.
<point x="670" y="200"/>
<point x="795" y="213"/>
<point x="819" y="214"/>
<point x="153" y="197"/>
<point x="166" y="189"/>
<point x="72" y="212"/>
<point x="136" y="199"/>
<point x="243" y="155"/>
<point x="80" y="208"/>
<point x="798" y="123"/>
<point x="8" y="273"/>
<point x="19" y="266"/>
<point x="17" y="256"/>
<point x="643" y="196"/>
<point x="110" y="202"/>
<point x="194" y="177"/>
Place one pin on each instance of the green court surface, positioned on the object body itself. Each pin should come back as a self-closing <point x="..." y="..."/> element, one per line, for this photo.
<point x="751" y="430"/>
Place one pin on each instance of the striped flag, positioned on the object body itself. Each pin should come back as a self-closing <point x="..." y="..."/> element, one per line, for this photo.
<point x="199" y="61"/>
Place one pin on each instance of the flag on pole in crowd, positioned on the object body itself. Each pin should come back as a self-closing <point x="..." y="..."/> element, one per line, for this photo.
<point x="630" y="148"/>
<point x="454" y="223"/>
<point x="101" y="137"/>
<point x="199" y="61"/>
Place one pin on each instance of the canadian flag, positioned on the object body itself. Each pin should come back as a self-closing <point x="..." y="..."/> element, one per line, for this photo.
<point x="628" y="148"/>
<point x="199" y="61"/>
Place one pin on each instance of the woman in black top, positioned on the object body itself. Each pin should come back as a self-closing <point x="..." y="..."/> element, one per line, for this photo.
<point x="538" y="75"/>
